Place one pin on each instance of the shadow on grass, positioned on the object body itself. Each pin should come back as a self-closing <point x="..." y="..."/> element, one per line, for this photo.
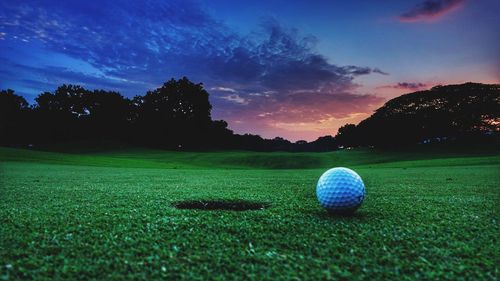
<point x="221" y="205"/>
<point x="358" y="216"/>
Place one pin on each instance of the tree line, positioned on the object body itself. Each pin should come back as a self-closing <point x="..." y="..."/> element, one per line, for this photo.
<point x="177" y="115"/>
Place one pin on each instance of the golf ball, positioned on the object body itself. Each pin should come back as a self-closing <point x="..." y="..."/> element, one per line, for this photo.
<point x="340" y="190"/>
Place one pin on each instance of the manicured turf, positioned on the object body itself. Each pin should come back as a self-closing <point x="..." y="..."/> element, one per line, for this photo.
<point x="110" y="216"/>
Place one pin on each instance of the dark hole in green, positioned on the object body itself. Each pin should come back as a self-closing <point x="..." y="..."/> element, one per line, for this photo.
<point x="228" y="205"/>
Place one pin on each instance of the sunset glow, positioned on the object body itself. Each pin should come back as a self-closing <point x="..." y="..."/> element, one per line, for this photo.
<point x="297" y="70"/>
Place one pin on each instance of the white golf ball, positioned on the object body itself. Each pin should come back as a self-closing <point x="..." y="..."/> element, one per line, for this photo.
<point x="340" y="190"/>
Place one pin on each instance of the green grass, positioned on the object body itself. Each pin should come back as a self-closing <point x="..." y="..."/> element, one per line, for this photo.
<point x="142" y="158"/>
<point x="109" y="216"/>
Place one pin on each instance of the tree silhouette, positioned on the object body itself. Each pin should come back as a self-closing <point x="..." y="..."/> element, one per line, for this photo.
<point x="13" y="117"/>
<point x="348" y="135"/>
<point x="107" y="115"/>
<point x="442" y="113"/>
<point x="176" y="114"/>
<point x="58" y="114"/>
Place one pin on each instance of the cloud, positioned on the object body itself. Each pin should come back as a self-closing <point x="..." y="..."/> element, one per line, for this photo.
<point x="377" y="70"/>
<point x="236" y="99"/>
<point x="356" y="70"/>
<point x="274" y="69"/>
<point x="48" y="78"/>
<point x="304" y="115"/>
<point x="430" y="10"/>
<point x="223" y="89"/>
<point x="406" y="86"/>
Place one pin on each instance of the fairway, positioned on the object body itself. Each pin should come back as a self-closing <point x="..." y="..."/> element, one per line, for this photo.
<point x="111" y="216"/>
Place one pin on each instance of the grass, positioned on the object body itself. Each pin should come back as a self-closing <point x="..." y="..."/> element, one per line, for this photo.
<point x="142" y="158"/>
<point x="110" y="216"/>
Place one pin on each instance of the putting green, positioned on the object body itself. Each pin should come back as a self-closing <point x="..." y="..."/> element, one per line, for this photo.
<point x="111" y="216"/>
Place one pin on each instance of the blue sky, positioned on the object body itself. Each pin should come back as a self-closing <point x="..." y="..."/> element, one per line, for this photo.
<point x="297" y="69"/>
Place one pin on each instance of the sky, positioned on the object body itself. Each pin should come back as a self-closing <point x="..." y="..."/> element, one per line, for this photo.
<point x="295" y="69"/>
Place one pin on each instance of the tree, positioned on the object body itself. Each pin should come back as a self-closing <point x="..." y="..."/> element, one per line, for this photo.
<point x="13" y="117"/>
<point x="443" y="112"/>
<point x="324" y="143"/>
<point x="66" y="99"/>
<point x="108" y="114"/>
<point x="59" y="114"/>
<point x="176" y="114"/>
<point x="347" y="135"/>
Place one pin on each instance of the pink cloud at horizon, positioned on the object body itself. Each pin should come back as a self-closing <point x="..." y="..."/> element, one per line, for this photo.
<point x="297" y="131"/>
<point x="300" y="116"/>
<point x="312" y="115"/>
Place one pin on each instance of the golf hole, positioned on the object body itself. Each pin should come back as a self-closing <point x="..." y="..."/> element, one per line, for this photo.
<point x="225" y="205"/>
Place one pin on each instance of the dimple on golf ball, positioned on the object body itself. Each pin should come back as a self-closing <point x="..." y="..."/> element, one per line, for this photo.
<point x="340" y="190"/>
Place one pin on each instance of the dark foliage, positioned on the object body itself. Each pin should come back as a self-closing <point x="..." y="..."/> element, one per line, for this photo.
<point x="14" y="117"/>
<point x="178" y="116"/>
<point x="175" y="116"/>
<point x="74" y="113"/>
<point x="467" y="112"/>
